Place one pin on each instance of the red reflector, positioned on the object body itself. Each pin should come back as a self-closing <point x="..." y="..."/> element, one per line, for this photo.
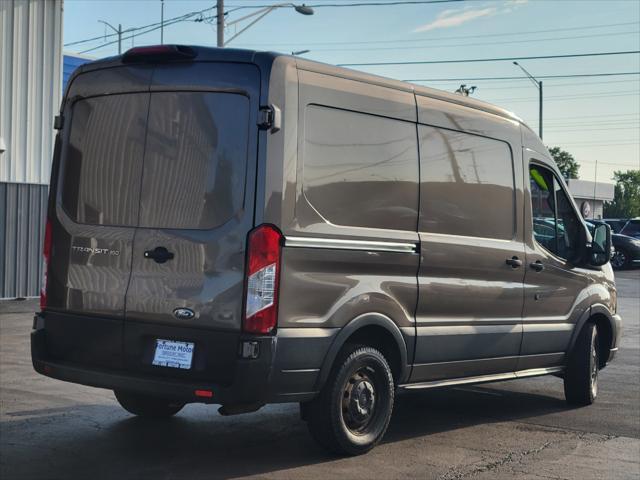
<point x="158" y="53"/>
<point x="204" y="393"/>
<point x="46" y="254"/>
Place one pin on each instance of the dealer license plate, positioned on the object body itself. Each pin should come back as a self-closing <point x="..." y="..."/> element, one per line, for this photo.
<point x="170" y="353"/>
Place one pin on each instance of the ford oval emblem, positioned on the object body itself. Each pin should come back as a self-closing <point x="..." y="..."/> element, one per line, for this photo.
<point x="183" y="313"/>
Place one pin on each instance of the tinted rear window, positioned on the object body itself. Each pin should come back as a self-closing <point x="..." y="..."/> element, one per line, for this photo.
<point x="195" y="159"/>
<point x="165" y="160"/>
<point x="103" y="159"/>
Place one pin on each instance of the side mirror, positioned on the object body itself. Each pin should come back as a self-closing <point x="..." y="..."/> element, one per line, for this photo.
<point x="599" y="252"/>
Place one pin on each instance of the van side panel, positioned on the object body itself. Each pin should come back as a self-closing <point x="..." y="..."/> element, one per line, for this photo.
<point x="470" y="300"/>
<point x="325" y="285"/>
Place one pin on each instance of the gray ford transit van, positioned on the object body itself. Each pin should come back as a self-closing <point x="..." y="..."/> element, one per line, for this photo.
<point x="241" y="228"/>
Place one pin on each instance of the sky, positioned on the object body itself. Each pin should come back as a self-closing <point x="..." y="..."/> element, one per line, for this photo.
<point x="596" y="119"/>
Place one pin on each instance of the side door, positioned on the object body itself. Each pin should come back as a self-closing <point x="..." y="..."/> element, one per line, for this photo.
<point x="553" y="283"/>
<point x="468" y="318"/>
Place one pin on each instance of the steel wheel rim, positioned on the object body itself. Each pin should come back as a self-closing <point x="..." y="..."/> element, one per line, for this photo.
<point x="359" y="400"/>
<point x="593" y="365"/>
<point x="619" y="259"/>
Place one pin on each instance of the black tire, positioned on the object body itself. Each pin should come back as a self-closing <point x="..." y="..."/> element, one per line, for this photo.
<point x="581" y="375"/>
<point x="146" y="406"/>
<point x="352" y="412"/>
<point x="621" y="259"/>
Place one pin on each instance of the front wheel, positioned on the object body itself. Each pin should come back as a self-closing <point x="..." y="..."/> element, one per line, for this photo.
<point x="146" y="406"/>
<point x="581" y="375"/>
<point x="353" y="410"/>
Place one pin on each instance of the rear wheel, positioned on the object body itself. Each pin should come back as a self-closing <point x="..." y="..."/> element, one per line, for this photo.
<point x="581" y="376"/>
<point x="353" y="410"/>
<point x="146" y="406"/>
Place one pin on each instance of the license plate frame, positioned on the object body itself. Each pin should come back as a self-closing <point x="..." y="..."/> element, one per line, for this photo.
<point x="173" y="354"/>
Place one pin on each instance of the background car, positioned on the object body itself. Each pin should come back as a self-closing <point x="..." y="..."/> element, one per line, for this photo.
<point x="629" y="227"/>
<point x="627" y="248"/>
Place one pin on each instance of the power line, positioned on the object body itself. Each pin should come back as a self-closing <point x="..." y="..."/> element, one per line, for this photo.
<point x="496" y="59"/>
<point x="457" y="37"/>
<point x="561" y="85"/>
<point x="186" y="16"/>
<point x="579" y="75"/>
<point x="475" y="44"/>
<point x="570" y="97"/>
<point x="361" y="4"/>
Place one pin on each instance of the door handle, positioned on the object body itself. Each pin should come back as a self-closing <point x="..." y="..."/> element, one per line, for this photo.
<point x="514" y="262"/>
<point x="537" y="266"/>
<point x="159" y="254"/>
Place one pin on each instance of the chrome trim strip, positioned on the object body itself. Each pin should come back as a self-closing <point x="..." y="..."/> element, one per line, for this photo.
<point x="334" y="243"/>
<point x="301" y="370"/>
<point x="534" y="372"/>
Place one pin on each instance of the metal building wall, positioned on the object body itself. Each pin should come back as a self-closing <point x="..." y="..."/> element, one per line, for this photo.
<point x="30" y="94"/>
<point x="21" y="241"/>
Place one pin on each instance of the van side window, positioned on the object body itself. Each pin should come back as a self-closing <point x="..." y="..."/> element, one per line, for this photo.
<point x="361" y="170"/>
<point x="555" y="224"/>
<point x="467" y="185"/>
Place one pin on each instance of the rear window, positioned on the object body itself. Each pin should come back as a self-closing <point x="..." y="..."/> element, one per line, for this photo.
<point x="103" y="159"/>
<point x="159" y="160"/>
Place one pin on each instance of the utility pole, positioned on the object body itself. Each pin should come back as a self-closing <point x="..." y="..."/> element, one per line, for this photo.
<point x="537" y="83"/>
<point x="220" y="23"/>
<point x="540" y="109"/>
<point x="161" y="22"/>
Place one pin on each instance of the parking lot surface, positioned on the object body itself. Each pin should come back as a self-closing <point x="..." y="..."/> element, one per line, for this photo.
<point x="55" y="430"/>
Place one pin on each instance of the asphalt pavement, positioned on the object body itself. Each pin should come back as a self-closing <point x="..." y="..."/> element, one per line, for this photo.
<point x="519" y="429"/>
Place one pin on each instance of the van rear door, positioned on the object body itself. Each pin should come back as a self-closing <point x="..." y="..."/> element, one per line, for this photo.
<point x="196" y="201"/>
<point x="98" y="202"/>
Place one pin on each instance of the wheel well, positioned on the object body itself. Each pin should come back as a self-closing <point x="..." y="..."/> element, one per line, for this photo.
<point x="381" y="339"/>
<point x="605" y="336"/>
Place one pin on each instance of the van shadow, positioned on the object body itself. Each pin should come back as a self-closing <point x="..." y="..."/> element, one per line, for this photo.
<point x="101" y="441"/>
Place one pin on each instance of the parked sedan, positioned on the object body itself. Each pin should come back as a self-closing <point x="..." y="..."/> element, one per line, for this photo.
<point x="627" y="249"/>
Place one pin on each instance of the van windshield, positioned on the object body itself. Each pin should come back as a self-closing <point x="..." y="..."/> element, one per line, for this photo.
<point x="159" y="160"/>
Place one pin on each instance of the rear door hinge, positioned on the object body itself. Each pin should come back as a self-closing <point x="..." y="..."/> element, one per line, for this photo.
<point x="269" y="118"/>
<point x="58" y="122"/>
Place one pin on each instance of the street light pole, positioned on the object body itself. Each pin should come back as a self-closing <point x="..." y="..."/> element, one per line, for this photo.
<point x="537" y="83"/>
<point x="118" y="31"/>
<point x="220" y="23"/>
<point x="161" y="22"/>
<point x="260" y="14"/>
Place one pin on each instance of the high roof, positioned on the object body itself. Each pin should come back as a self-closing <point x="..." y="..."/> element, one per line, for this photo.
<point x="210" y="54"/>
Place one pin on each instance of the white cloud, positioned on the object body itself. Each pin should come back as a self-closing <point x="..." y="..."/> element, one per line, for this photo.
<point x="456" y="17"/>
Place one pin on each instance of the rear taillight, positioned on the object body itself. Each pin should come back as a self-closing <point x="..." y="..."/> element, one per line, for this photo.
<point x="46" y="254"/>
<point x="262" y="280"/>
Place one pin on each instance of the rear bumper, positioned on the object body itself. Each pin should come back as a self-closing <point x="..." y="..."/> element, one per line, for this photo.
<point x="252" y="389"/>
<point x="286" y="369"/>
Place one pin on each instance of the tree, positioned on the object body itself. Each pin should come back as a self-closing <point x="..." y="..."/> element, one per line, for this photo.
<point x="565" y="161"/>
<point x="626" y="196"/>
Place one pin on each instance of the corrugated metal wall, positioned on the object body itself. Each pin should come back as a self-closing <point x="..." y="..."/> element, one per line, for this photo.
<point x="30" y="94"/>
<point x="30" y="86"/>
<point x="21" y="240"/>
